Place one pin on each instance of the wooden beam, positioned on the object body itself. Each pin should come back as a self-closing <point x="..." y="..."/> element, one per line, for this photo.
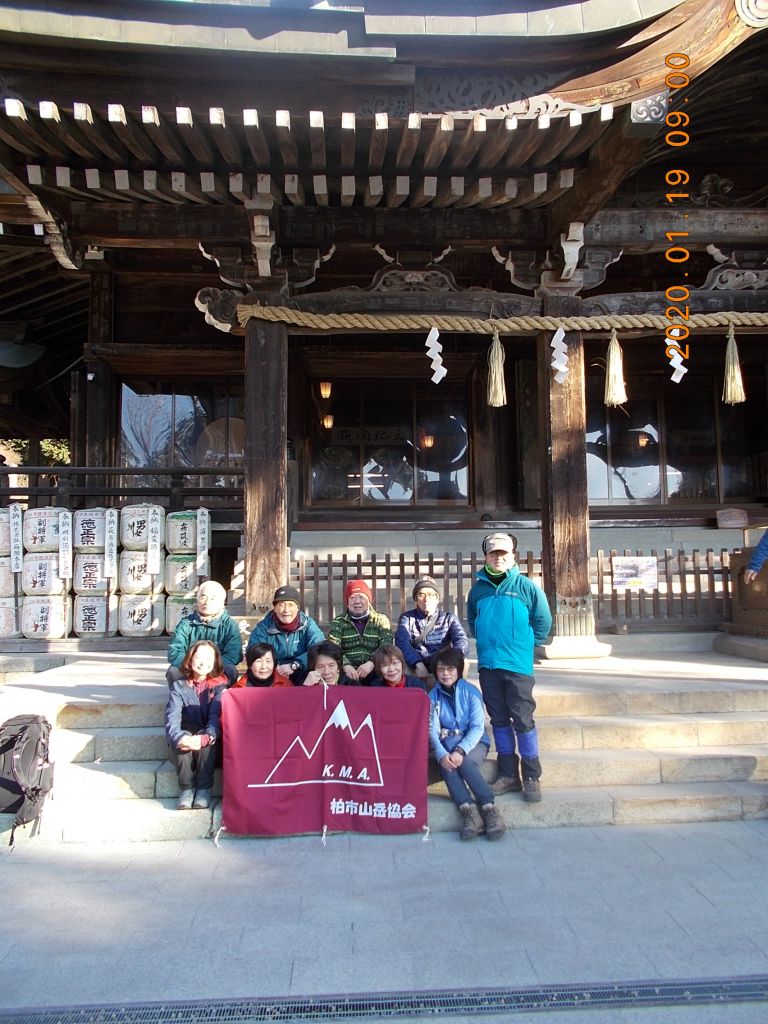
<point x="374" y="190"/>
<point x="97" y="133"/>
<point x="213" y="188"/>
<point x="470" y="142"/>
<point x="320" y="188"/>
<point x="348" y="139"/>
<point x="294" y="192"/>
<point x="194" y="137"/>
<point x="163" y="135"/>
<point x="397" y="191"/>
<point x="377" y="148"/>
<point x="66" y="129"/>
<point x="348" y="189"/>
<point x="37" y="136"/>
<point x="442" y="137"/>
<point x="616" y="154"/>
<point x="286" y="140"/>
<point x="184" y="185"/>
<point x="156" y="186"/>
<point x="317" y="140"/>
<point x="257" y="142"/>
<point x="497" y="142"/>
<point x="133" y="140"/>
<point x="425" y="192"/>
<point x="266" y="470"/>
<point x="476" y="193"/>
<point x="409" y="142"/>
<point x="224" y="138"/>
<point x="528" y="138"/>
<point x="449" y="192"/>
<point x="587" y="134"/>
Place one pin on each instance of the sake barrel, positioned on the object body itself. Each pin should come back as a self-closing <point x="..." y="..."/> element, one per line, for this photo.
<point x="40" y="574"/>
<point x="181" y="574"/>
<point x="5" y="531"/>
<point x="88" y="575"/>
<point x="46" y="618"/>
<point x="88" y="529"/>
<point x="177" y="607"/>
<point x="141" y="615"/>
<point x="133" y="577"/>
<point x="8" y="619"/>
<point x="41" y="529"/>
<point x="134" y="526"/>
<point x="6" y="577"/>
<point x="90" y="615"/>
<point x="181" y="531"/>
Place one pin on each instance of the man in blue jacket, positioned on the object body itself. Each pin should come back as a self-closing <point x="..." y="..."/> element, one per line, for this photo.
<point x="759" y="556"/>
<point x="508" y="615"/>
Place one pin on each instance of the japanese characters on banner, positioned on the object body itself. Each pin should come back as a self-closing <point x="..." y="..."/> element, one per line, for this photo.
<point x="65" y="545"/>
<point x="299" y="759"/>
<point x="17" y="544"/>
<point x="111" y="530"/>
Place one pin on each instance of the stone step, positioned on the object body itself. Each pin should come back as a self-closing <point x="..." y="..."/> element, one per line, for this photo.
<point x="653" y="731"/>
<point x="118" y="780"/>
<point x="553" y="702"/>
<point x="107" y="780"/>
<point x="139" y="743"/>
<point x="153" y="820"/>
<point x="89" y="715"/>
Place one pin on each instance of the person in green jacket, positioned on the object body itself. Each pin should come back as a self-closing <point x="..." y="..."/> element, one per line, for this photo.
<point x="360" y="631"/>
<point x="210" y="621"/>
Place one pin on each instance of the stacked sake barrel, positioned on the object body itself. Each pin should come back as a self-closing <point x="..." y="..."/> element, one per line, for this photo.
<point x="10" y="594"/>
<point x="116" y="564"/>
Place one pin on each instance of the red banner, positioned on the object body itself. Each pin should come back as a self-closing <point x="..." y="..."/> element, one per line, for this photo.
<point x="297" y="759"/>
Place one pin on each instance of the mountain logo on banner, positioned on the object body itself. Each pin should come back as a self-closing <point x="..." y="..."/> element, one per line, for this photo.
<point x="340" y="754"/>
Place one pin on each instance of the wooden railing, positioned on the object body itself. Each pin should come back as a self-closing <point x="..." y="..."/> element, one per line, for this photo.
<point x="694" y="588"/>
<point x="113" y="486"/>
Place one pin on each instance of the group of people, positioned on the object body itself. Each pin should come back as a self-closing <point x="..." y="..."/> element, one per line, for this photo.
<point x="506" y="612"/>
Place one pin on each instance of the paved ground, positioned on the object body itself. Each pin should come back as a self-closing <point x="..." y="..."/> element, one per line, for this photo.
<point x="167" y="921"/>
<point x="171" y="921"/>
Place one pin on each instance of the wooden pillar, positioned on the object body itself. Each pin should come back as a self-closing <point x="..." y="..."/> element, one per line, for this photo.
<point x="99" y="384"/>
<point x="564" y="508"/>
<point x="265" y="484"/>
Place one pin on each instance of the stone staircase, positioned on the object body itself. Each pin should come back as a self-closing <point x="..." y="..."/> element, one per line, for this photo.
<point x="614" y="751"/>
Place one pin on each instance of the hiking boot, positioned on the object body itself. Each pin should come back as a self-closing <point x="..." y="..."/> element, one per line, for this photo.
<point x="473" y="823"/>
<point x="202" y="799"/>
<point x="531" y="791"/>
<point x="494" y="823"/>
<point x="506" y="784"/>
<point x="186" y="796"/>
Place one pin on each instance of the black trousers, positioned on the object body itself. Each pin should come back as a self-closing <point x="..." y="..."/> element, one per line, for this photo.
<point x="195" y="768"/>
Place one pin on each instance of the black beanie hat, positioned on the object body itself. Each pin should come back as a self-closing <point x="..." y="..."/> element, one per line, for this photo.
<point x="424" y="583"/>
<point x="287" y="593"/>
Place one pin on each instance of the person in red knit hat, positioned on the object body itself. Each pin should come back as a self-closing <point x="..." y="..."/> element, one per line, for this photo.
<point x="360" y="630"/>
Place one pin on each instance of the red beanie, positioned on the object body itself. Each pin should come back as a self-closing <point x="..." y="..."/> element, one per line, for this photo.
<point x="357" y="587"/>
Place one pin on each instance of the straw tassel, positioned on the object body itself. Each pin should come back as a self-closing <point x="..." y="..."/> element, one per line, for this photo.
<point x="615" y="391"/>
<point x="733" y="385"/>
<point x="497" y="391"/>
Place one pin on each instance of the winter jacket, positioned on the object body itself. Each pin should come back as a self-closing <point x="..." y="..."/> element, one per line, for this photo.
<point x="358" y="647"/>
<point x="446" y="632"/>
<point x="507" y="621"/>
<point x="464" y="718"/>
<point x="190" y="712"/>
<point x="287" y="646"/>
<point x="760" y="554"/>
<point x="222" y="631"/>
